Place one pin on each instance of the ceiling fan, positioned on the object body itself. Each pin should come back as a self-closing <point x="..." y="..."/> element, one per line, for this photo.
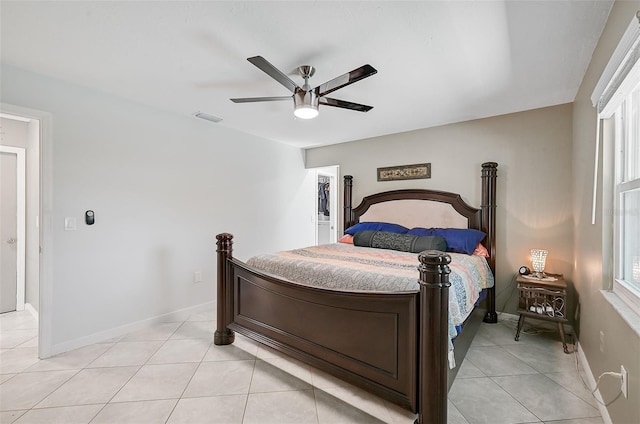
<point x="305" y="98"/>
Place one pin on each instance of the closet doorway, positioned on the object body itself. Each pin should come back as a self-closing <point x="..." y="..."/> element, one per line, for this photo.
<point x="326" y="213"/>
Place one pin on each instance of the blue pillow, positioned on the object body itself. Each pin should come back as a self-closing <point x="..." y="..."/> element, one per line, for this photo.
<point x="421" y="231"/>
<point x="459" y="240"/>
<point x="376" y="226"/>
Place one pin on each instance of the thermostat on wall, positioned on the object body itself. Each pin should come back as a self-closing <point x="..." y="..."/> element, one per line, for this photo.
<point x="89" y="217"/>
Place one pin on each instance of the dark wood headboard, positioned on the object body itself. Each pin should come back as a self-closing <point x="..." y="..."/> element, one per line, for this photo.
<point x="483" y="219"/>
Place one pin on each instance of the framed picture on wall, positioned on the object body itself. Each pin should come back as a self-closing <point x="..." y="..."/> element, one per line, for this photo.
<point x="405" y="172"/>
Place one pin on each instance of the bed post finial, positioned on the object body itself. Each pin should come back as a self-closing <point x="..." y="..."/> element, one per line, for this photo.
<point x="348" y="199"/>
<point x="223" y="336"/>
<point x="434" y="336"/>
<point x="489" y="176"/>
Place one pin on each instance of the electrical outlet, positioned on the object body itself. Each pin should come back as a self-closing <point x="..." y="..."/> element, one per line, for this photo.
<point x="197" y="277"/>
<point x="601" y="341"/>
<point x="625" y="381"/>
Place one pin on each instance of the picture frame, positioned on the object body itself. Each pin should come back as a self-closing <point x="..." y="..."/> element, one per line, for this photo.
<point x="405" y="172"/>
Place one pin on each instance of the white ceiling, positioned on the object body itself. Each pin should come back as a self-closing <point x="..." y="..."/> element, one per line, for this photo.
<point x="438" y="62"/>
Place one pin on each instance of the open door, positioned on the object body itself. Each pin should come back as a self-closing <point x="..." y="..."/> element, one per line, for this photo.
<point x="12" y="229"/>
<point x="326" y="205"/>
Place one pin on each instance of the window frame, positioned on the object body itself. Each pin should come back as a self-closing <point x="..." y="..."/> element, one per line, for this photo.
<point x="619" y="79"/>
<point x="623" y="117"/>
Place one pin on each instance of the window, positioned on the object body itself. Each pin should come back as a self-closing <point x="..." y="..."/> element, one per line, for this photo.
<point x="617" y="99"/>
<point x="627" y="199"/>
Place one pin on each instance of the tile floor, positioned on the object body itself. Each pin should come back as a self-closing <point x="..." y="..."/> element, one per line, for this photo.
<point x="172" y="373"/>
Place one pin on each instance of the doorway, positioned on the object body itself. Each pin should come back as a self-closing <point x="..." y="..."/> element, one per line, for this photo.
<point x="326" y="213"/>
<point x="22" y="132"/>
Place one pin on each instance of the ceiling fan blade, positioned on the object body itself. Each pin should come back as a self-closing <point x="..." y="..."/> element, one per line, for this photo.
<point x="344" y="104"/>
<point x="260" y="99"/>
<point x="273" y="72"/>
<point x="344" y="80"/>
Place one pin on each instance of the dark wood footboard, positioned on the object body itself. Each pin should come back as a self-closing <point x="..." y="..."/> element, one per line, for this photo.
<point x="393" y="344"/>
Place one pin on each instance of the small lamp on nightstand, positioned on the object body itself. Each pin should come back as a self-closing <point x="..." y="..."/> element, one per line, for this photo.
<point x="538" y="259"/>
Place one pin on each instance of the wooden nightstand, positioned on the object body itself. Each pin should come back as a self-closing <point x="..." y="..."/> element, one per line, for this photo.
<point x="544" y="300"/>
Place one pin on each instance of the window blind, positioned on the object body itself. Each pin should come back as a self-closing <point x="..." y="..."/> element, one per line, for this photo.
<point x="624" y="57"/>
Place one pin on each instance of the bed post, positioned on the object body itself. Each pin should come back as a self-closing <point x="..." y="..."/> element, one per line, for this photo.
<point x="489" y="175"/>
<point x="223" y="336"/>
<point x="433" y="363"/>
<point x="348" y="199"/>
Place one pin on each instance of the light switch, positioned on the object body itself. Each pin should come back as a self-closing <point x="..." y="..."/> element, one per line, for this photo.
<point x="70" y="223"/>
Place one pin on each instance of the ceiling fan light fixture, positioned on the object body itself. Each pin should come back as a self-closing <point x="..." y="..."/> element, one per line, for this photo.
<point x="305" y="104"/>
<point x="306" y="112"/>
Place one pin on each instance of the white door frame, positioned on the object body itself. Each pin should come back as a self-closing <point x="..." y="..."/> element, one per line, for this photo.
<point x="21" y="207"/>
<point x="45" y="312"/>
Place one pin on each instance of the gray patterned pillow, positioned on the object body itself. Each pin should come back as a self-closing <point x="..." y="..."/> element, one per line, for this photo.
<point x="401" y="242"/>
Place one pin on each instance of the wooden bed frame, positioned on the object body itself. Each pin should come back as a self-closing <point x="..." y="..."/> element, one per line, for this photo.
<point x="393" y="344"/>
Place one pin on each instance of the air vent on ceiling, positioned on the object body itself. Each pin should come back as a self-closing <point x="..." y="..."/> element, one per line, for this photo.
<point x="208" y="117"/>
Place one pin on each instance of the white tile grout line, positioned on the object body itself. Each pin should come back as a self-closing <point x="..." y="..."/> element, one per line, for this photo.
<point x="540" y="373"/>
<point x="253" y="370"/>
<point x="88" y="366"/>
<point x="138" y="370"/>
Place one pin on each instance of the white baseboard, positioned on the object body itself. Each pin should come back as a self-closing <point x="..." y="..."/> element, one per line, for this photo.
<point x="582" y="359"/>
<point x="112" y="333"/>
<point x="29" y="308"/>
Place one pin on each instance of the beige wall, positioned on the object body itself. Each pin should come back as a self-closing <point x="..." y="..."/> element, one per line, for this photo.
<point x="533" y="150"/>
<point x="622" y="344"/>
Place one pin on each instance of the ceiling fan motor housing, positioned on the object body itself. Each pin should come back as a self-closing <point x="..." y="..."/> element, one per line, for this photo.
<point x="305" y="104"/>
